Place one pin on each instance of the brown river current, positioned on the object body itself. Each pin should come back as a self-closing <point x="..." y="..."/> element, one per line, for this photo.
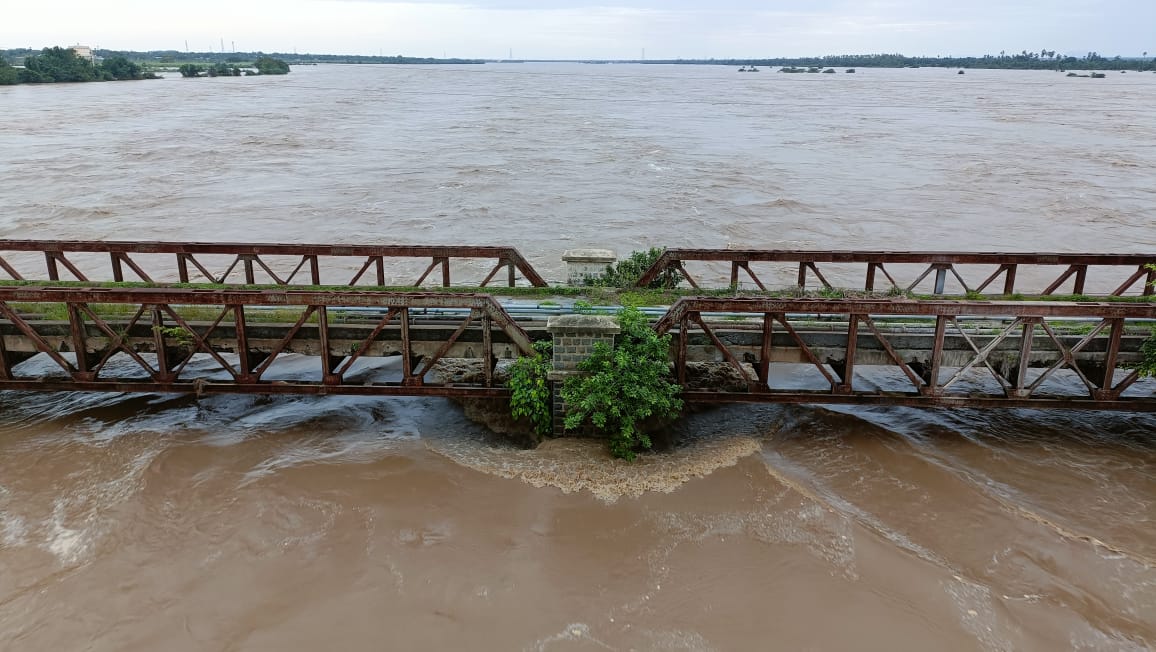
<point x="246" y="523"/>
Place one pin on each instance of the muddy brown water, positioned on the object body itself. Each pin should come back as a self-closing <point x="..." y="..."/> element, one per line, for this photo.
<point x="245" y="523"/>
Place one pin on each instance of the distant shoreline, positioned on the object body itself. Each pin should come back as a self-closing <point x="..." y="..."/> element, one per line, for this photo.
<point x="1042" y="60"/>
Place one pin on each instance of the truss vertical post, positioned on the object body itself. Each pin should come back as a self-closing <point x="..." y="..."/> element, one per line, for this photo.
<point x="680" y="360"/>
<point x="932" y="388"/>
<point x="79" y="344"/>
<point x="1009" y="282"/>
<point x="407" y="378"/>
<point x="314" y="270"/>
<point x="329" y="361"/>
<point x="1111" y="356"/>
<point x="183" y="268"/>
<point x="940" y="279"/>
<point x="5" y="368"/>
<point x="1081" y="277"/>
<point x="763" y="371"/>
<point x="250" y="277"/>
<point x="1019" y="390"/>
<point x="244" y="362"/>
<point x="487" y="350"/>
<point x="50" y="262"/>
<point x="117" y="271"/>
<point x="164" y="368"/>
<point x="848" y="375"/>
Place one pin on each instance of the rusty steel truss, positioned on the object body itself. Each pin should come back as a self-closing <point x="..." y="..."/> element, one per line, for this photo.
<point x="204" y="341"/>
<point x="1137" y="273"/>
<point x="160" y="330"/>
<point x="250" y="263"/>
<point x="1031" y="330"/>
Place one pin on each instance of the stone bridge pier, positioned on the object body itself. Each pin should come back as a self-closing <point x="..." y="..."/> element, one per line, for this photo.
<point x="574" y="339"/>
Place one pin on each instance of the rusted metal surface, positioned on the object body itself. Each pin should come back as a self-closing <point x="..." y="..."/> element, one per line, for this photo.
<point x="1132" y="270"/>
<point x="153" y="329"/>
<point x="1097" y="359"/>
<point x="937" y="347"/>
<point x="250" y="264"/>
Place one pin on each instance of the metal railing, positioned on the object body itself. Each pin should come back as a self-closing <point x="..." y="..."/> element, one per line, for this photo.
<point x="249" y="263"/>
<point x="1136" y="270"/>
<point x="156" y="330"/>
<point x="1028" y="337"/>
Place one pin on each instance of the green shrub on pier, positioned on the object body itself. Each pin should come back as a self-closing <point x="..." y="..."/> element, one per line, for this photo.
<point x="530" y="391"/>
<point x="1147" y="365"/>
<point x="1148" y="348"/>
<point x="624" y="386"/>
<point x="626" y="272"/>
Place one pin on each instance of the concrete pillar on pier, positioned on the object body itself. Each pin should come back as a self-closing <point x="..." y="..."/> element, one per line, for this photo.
<point x="574" y="339"/>
<point x="582" y="265"/>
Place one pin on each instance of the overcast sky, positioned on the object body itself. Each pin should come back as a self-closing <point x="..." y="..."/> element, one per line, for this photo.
<point x="578" y="29"/>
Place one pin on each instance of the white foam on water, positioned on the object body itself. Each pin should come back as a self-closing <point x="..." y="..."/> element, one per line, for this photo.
<point x="574" y="465"/>
<point x="572" y="632"/>
<point x="78" y="521"/>
<point x="67" y="544"/>
<point x="13" y="530"/>
<point x="977" y="613"/>
<point x="677" y="640"/>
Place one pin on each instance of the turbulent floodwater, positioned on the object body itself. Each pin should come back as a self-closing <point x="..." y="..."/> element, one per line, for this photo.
<point x="244" y="523"/>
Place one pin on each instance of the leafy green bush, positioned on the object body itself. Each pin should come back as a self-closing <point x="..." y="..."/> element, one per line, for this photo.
<point x="624" y="386"/>
<point x="1148" y="348"/>
<point x="8" y="74"/>
<point x="625" y="273"/>
<point x="531" y="391"/>
<point x="57" y="65"/>
<point x="190" y="70"/>
<point x="271" y="66"/>
<point x="1148" y="351"/>
<point x="120" y="68"/>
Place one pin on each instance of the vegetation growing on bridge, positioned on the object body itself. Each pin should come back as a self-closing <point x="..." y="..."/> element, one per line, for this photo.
<point x="1148" y="349"/>
<point x="624" y="386"/>
<point x="626" y="272"/>
<point x="530" y="390"/>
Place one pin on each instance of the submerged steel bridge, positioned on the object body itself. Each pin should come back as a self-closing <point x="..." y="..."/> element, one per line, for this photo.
<point x="869" y="351"/>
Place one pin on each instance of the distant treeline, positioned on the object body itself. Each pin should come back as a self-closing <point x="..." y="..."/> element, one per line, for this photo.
<point x="1024" y="60"/>
<point x="174" y="57"/>
<point x="1042" y="60"/>
<point x="53" y="65"/>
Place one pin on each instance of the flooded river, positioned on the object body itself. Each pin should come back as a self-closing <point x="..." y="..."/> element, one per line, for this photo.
<point x="247" y="523"/>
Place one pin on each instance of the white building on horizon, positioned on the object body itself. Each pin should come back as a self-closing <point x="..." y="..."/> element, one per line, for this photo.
<point x="83" y="51"/>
